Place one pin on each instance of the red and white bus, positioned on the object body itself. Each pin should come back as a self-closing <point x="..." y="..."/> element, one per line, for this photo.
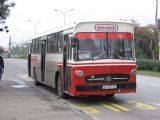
<point x="88" y="58"/>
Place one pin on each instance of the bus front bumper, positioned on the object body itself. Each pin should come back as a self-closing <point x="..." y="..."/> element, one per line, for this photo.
<point x="102" y="89"/>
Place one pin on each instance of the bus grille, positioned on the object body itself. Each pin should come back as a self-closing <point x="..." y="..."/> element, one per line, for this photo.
<point x="107" y="78"/>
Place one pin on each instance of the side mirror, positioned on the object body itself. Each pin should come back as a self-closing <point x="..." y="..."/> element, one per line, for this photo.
<point x="73" y="42"/>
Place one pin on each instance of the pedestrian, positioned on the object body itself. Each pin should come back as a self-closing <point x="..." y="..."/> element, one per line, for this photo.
<point x="1" y="66"/>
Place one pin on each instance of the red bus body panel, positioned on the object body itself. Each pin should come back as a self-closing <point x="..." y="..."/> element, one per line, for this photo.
<point x="95" y="88"/>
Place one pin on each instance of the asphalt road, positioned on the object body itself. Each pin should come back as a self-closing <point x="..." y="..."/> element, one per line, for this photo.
<point x="143" y="105"/>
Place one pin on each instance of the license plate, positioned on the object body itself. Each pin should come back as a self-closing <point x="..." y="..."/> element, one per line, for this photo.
<point x="109" y="86"/>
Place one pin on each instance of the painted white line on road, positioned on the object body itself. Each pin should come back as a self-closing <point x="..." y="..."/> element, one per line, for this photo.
<point x="25" y="77"/>
<point x="154" y="84"/>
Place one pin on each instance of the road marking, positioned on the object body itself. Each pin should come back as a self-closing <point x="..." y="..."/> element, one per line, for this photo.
<point x="114" y="107"/>
<point x="111" y="108"/>
<point x="86" y="108"/>
<point x="141" y="105"/>
<point x="120" y="107"/>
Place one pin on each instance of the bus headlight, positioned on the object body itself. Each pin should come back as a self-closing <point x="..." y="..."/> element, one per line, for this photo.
<point x="133" y="72"/>
<point x="79" y="73"/>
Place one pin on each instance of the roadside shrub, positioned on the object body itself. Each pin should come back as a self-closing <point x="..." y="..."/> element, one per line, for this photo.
<point x="151" y="65"/>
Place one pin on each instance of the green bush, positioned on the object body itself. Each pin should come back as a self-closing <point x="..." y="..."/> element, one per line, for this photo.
<point x="151" y="65"/>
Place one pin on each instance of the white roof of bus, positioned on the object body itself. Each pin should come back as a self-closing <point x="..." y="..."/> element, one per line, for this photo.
<point x="57" y="29"/>
<point x="73" y="25"/>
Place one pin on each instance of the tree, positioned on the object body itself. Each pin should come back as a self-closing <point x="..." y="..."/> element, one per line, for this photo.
<point x="4" y="13"/>
<point x="146" y="46"/>
<point x="144" y="41"/>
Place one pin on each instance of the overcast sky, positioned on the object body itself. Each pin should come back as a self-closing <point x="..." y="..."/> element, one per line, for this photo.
<point x="42" y="13"/>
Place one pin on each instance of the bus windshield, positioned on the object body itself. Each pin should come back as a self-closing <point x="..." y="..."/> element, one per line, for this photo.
<point x="95" y="46"/>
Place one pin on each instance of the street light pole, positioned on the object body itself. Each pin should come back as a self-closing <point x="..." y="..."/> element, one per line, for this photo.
<point x="34" y="24"/>
<point x="156" y="14"/>
<point x="9" y="54"/>
<point x="64" y="14"/>
<point x="22" y="33"/>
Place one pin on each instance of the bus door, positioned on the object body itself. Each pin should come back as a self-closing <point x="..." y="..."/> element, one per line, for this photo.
<point x="29" y="59"/>
<point x="43" y="56"/>
<point x="65" y="51"/>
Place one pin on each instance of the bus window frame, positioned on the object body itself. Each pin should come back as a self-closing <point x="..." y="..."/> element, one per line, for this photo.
<point x="60" y="40"/>
<point x="49" y="43"/>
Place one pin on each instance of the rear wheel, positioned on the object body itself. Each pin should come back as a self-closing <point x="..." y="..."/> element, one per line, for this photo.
<point x="60" y="88"/>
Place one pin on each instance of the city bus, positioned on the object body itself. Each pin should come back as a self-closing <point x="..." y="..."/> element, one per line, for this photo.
<point x="87" y="58"/>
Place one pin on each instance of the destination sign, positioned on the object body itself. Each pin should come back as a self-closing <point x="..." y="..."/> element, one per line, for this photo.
<point x="106" y="27"/>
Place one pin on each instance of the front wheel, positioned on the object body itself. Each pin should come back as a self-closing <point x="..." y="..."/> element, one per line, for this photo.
<point x="110" y="95"/>
<point x="60" y="88"/>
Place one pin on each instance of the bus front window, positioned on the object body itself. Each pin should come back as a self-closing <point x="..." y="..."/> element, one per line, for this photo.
<point x="95" y="46"/>
<point x="120" y="46"/>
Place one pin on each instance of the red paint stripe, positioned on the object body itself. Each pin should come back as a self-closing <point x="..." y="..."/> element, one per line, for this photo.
<point x="112" y="36"/>
<point x="120" y="36"/>
<point x="91" y="35"/>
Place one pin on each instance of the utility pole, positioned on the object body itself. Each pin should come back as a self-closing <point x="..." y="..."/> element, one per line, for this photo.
<point x="155" y="32"/>
<point x="9" y="52"/>
<point x="158" y="22"/>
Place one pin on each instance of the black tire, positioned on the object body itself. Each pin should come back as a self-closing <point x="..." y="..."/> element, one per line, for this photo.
<point x="35" y="78"/>
<point x="110" y="95"/>
<point x="60" y="91"/>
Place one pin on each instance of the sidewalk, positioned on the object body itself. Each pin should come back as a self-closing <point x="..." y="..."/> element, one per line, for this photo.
<point x="33" y="103"/>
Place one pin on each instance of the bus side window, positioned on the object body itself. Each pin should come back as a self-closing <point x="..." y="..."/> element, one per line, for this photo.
<point x="33" y="46"/>
<point x="54" y="43"/>
<point x="60" y="42"/>
<point x="39" y="46"/>
<point x="48" y="51"/>
<point x="29" y="48"/>
<point x="66" y="44"/>
<point x="36" y="45"/>
<point x="49" y="43"/>
<point x="70" y="47"/>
